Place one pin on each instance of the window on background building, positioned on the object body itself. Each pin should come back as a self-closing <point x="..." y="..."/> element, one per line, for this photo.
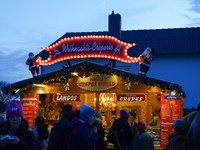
<point x="127" y="69"/>
<point x="120" y="68"/>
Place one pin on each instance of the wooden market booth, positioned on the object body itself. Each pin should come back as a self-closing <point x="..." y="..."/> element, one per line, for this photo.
<point x="107" y="90"/>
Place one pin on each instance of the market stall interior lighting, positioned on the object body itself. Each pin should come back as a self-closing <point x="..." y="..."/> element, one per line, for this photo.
<point x="40" y="85"/>
<point x="17" y="90"/>
<point x="74" y="73"/>
<point x="40" y="91"/>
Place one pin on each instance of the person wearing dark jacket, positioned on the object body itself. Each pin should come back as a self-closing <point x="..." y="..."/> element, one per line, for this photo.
<point x="142" y="140"/>
<point x="74" y="114"/>
<point x="193" y="135"/>
<point x="132" y="122"/>
<point x="121" y="134"/>
<point x="56" y="139"/>
<point x="14" y="132"/>
<point x="178" y="139"/>
<point x="100" y="145"/>
<point x="83" y="135"/>
<point x="41" y="133"/>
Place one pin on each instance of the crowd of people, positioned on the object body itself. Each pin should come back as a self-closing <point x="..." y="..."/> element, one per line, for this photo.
<point x="82" y="130"/>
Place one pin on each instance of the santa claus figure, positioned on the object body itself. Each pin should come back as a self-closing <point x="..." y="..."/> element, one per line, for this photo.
<point x="33" y="63"/>
<point x="145" y="60"/>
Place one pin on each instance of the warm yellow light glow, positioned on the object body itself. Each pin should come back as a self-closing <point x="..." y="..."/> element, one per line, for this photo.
<point x="40" y="85"/>
<point x="40" y="91"/>
<point x="17" y="90"/>
<point x="75" y="73"/>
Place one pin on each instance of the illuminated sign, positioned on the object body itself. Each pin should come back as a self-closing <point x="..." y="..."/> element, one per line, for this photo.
<point x="131" y="97"/>
<point x="66" y="98"/>
<point x="30" y="106"/>
<point x="89" y="47"/>
<point x="97" y="83"/>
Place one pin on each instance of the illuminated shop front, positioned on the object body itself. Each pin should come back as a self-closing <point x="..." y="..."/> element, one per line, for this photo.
<point x="107" y="90"/>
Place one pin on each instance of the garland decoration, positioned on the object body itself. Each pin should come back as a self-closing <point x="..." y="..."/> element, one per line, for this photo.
<point x="47" y="106"/>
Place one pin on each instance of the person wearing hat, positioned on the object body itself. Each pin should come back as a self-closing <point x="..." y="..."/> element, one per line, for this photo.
<point x="100" y="145"/>
<point x="14" y="133"/>
<point x="56" y="139"/>
<point x="121" y="134"/>
<point x="178" y="139"/>
<point x="142" y="140"/>
<point x="83" y="136"/>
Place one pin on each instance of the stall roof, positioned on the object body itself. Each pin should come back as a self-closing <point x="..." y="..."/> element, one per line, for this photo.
<point x="165" y="41"/>
<point x="66" y="73"/>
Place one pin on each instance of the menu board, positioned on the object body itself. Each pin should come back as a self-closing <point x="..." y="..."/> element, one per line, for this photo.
<point x="30" y="105"/>
<point x="171" y="109"/>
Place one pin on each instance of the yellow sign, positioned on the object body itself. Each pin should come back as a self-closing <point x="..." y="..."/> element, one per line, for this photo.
<point x="97" y="83"/>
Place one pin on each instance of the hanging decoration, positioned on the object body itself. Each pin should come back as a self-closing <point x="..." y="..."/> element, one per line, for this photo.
<point x="47" y="106"/>
<point x="63" y="75"/>
<point x="66" y="86"/>
<point x="127" y="85"/>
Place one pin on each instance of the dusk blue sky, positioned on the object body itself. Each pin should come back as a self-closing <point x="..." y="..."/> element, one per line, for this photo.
<point x="26" y="26"/>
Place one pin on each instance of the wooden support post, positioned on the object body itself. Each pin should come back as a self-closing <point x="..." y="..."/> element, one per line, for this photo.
<point x="97" y="102"/>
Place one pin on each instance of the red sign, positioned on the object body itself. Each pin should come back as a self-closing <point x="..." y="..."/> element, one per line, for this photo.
<point x="30" y="105"/>
<point x="171" y="109"/>
<point x="131" y="97"/>
<point x="66" y="98"/>
<point x="89" y="47"/>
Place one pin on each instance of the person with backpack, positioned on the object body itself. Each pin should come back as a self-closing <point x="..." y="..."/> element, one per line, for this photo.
<point x="41" y="132"/>
<point x="14" y="133"/>
<point x="121" y="134"/>
<point x="56" y="139"/>
<point x="83" y="136"/>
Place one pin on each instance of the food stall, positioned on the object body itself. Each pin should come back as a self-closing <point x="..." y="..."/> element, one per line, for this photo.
<point x="158" y="103"/>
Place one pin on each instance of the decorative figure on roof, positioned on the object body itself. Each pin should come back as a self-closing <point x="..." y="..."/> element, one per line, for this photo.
<point x="174" y="89"/>
<point x="34" y="64"/>
<point x="145" y="60"/>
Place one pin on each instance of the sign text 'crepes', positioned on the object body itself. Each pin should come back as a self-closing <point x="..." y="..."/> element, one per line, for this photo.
<point x="131" y="97"/>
